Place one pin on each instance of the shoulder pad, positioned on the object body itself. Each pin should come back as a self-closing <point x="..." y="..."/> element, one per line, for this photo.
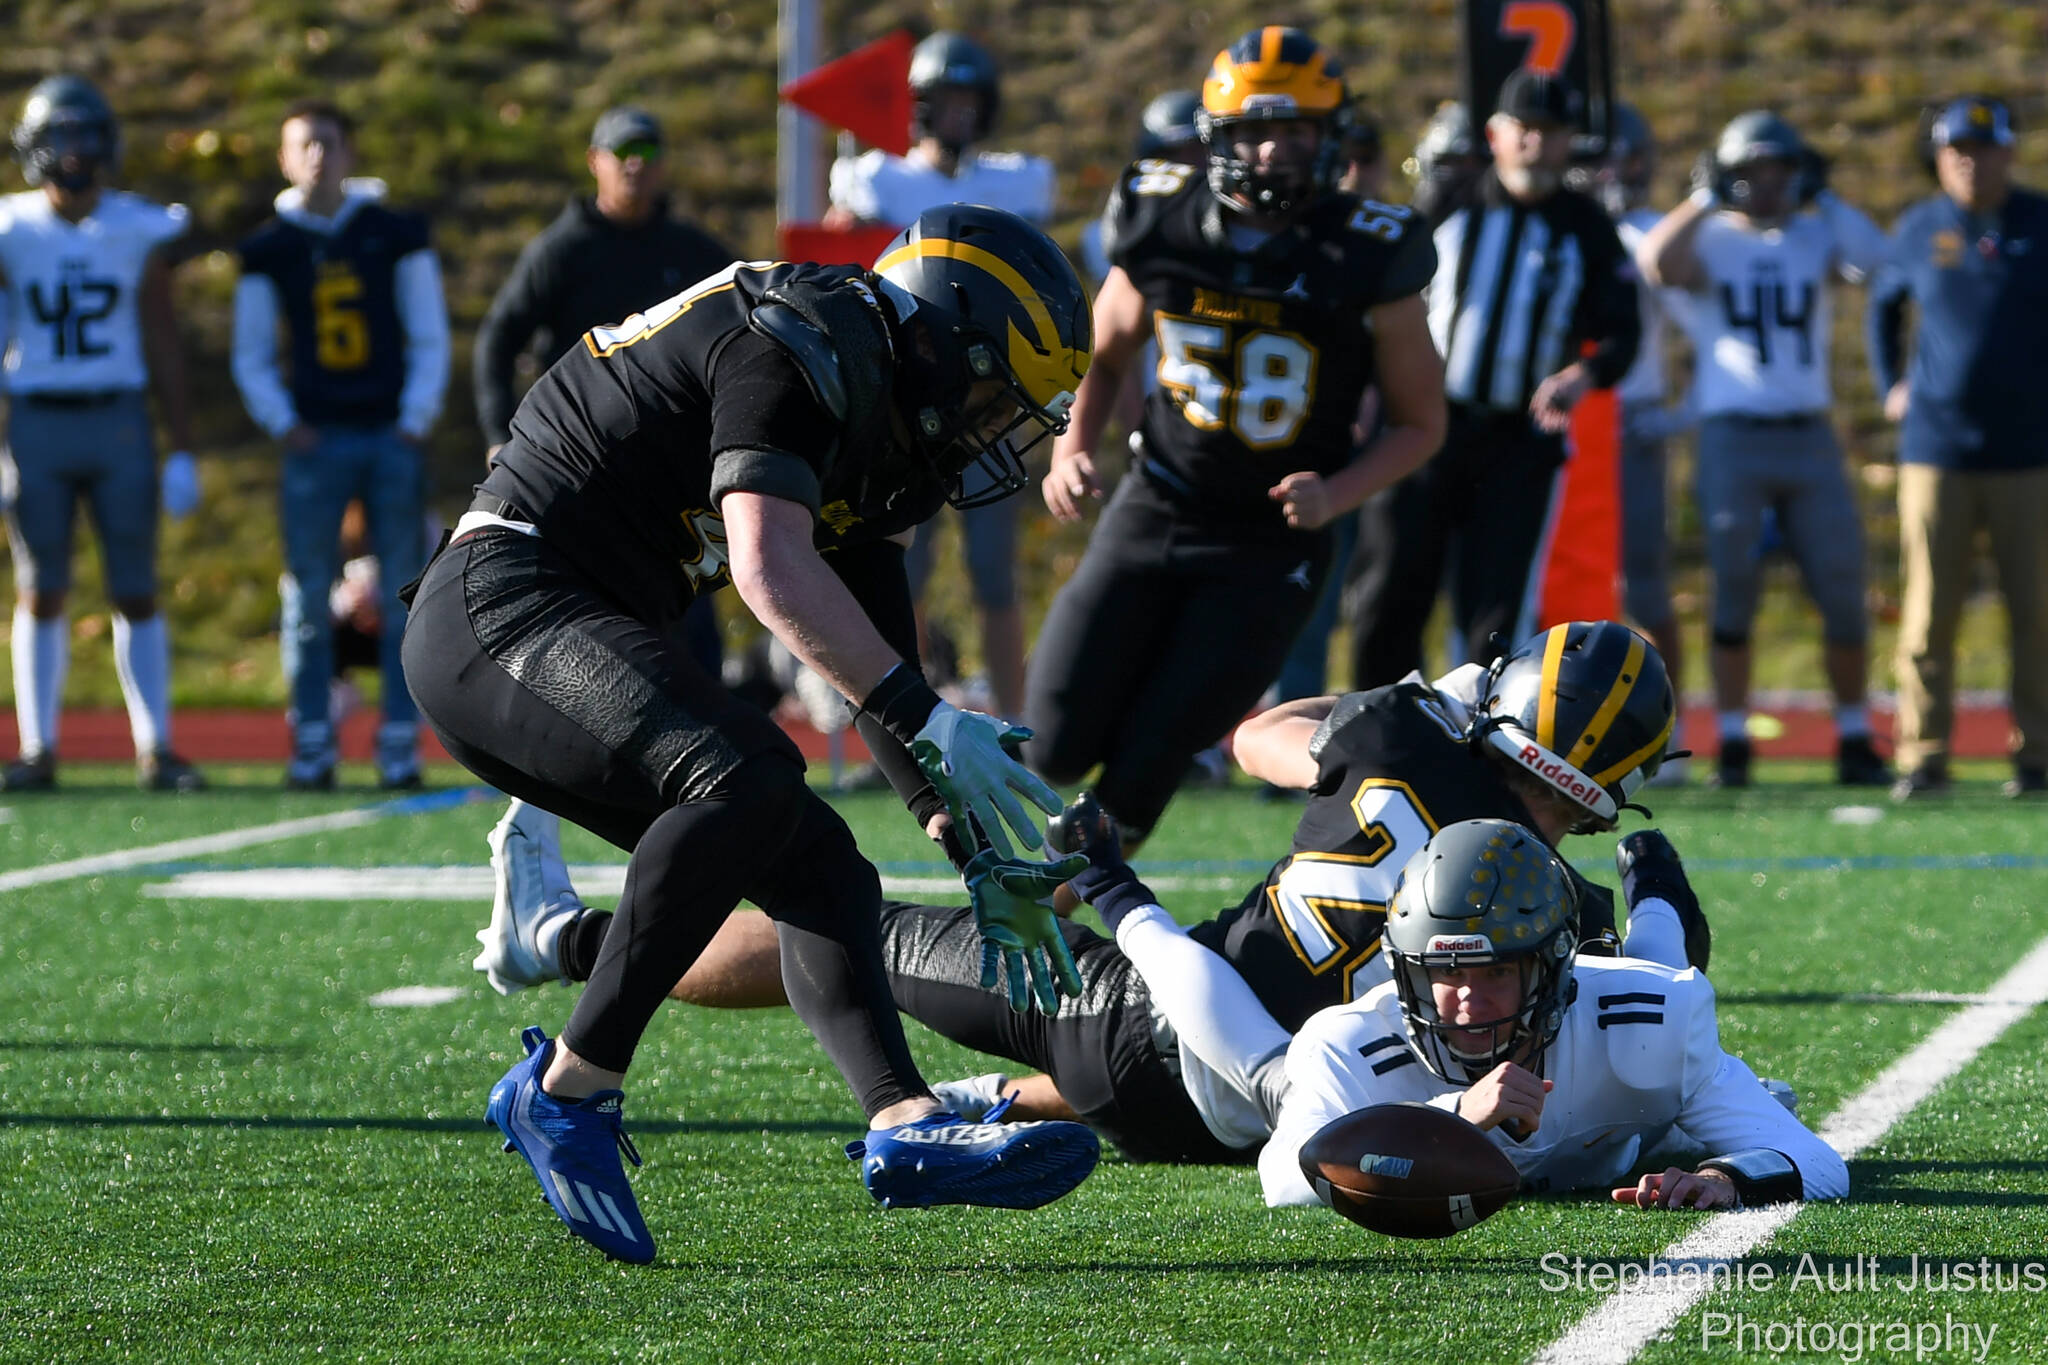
<point x="1138" y="203"/>
<point x="1642" y="1014"/>
<point x="832" y="327"/>
<point x="1349" y="707"/>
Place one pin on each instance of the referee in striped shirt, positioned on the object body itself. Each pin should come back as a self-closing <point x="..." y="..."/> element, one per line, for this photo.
<point x="1534" y="303"/>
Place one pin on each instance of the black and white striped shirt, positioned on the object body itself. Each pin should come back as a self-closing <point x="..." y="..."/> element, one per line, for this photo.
<point x="1519" y="290"/>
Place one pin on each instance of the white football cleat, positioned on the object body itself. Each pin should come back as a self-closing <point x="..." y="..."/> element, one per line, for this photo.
<point x="533" y="902"/>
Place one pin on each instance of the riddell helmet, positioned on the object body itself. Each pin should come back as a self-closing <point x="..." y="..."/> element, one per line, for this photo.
<point x="952" y="59"/>
<point x="1482" y="892"/>
<point x="1587" y="708"/>
<point x="1168" y="123"/>
<point x="1000" y="302"/>
<point x="1271" y="73"/>
<point x="66" y="117"/>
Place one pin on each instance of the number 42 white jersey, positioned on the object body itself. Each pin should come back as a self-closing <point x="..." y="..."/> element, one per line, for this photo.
<point x="1639" y="1059"/>
<point x="73" y="290"/>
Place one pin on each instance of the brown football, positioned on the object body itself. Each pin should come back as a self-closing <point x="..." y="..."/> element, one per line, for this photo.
<point x="1408" y="1170"/>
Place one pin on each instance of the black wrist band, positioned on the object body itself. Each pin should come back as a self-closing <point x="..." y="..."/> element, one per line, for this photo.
<point x="1761" y="1175"/>
<point x="902" y="701"/>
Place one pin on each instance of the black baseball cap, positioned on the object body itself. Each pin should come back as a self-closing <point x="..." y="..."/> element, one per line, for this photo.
<point x="1532" y="97"/>
<point x="623" y="124"/>
<point x="1973" y="119"/>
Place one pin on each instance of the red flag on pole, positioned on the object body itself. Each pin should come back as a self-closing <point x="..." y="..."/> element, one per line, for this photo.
<point x="866" y="92"/>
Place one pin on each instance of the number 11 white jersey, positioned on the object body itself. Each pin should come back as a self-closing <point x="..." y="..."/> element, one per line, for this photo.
<point x="72" y="290"/>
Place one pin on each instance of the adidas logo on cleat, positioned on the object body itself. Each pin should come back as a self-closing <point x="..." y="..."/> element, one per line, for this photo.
<point x="954" y="1135"/>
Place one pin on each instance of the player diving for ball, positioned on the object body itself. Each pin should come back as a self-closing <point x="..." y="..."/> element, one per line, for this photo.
<point x="1576" y="1067"/>
<point x="1384" y="770"/>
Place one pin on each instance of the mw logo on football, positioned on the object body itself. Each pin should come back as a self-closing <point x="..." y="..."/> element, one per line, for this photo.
<point x="1393" y="1167"/>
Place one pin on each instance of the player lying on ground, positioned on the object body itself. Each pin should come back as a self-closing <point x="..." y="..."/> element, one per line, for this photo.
<point x="1577" y="1067"/>
<point x="1384" y="770"/>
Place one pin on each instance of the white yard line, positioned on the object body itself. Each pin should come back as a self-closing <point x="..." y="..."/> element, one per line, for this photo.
<point x="596" y="881"/>
<point x="224" y="842"/>
<point x="1621" y="1326"/>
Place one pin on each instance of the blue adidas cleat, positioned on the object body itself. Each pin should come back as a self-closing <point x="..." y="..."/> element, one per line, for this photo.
<point x="944" y="1159"/>
<point x="574" y="1151"/>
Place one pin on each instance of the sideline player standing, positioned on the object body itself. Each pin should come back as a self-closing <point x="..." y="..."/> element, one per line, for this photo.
<point x="955" y="93"/>
<point x="1276" y="302"/>
<point x="88" y="298"/>
<point x="360" y="290"/>
<point x="1747" y="268"/>
<point x="773" y="427"/>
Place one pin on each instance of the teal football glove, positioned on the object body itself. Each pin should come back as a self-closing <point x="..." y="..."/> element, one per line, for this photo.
<point x="965" y="755"/>
<point x="1012" y="900"/>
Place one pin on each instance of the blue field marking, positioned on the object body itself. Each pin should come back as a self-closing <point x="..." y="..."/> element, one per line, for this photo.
<point x="430" y="803"/>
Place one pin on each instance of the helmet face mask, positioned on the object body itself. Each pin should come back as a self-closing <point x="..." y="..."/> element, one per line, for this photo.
<point x="1271" y="75"/>
<point x="1482" y="893"/>
<point x="1749" y="142"/>
<point x="1586" y="708"/>
<point x="1002" y="334"/>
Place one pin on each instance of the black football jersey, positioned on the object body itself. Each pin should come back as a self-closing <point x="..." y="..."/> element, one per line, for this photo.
<point x="1264" y="350"/>
<point x="1392" y="769"/>
<point x="621" y="450"/>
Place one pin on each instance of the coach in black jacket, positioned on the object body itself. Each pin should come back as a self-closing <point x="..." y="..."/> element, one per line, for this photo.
<point x="1533" y="304"/>
<point x="607" y="256"/>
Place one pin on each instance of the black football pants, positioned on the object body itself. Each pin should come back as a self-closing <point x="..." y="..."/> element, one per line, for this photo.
<point x="1478" y="513"/>
<point x="545" y="688"/>
<point x="1161" y="642"/>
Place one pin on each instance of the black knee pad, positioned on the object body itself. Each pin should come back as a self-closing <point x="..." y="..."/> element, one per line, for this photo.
<point x="1728" y="639"/>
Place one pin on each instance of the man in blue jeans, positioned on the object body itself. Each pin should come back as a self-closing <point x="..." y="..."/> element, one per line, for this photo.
<point x="367" y="334"/>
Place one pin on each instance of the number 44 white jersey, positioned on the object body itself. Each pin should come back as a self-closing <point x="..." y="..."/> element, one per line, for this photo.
<point x="1639" y="1059"/>
<point x="1760" y="328"/>
<point x="72" y="290"/>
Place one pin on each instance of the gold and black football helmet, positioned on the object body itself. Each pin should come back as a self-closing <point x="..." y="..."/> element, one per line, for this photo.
<point x="1585" y="707"/>
<point x="1271" y="73"/>
<point x="1010" y="335"/>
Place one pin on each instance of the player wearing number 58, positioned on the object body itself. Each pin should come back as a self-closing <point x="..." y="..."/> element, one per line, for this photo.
<point x="87" y="320"/>
<point x="1276" y="300"/>
<point x="366" y="347"/>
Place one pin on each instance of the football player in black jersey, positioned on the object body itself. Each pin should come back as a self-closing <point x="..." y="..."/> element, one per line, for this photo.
<point x="773" y="426"/>
<point x="1276" y="301"/>
<point x="1556" y="737"/>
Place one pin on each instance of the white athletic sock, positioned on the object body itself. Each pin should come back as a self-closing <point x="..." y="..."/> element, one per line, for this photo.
<point x="1217" y="1016"/>
<point x="1732" y="724"/>
<point x="1852" y="722"/>
<point x="142" y="658"/>
<point x="1654" y="933"/>
<point x="42" y="655"/>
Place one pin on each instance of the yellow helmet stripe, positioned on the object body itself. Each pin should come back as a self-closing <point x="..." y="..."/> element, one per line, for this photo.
<point x="1034" y="306"/>
<point x="1617" y="697"/>
<point x="1269" y="44"/>
<point x="1546" y="709"/>
<point x="1639" y="757"/>
<point x="1056" y="368"/>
